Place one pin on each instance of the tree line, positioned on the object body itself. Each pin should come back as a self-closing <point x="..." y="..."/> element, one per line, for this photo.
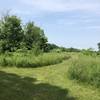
<point x="15" y="36"/>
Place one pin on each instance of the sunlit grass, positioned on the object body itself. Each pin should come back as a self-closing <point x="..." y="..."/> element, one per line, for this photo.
<point x="44" y="83"/>
<point x="86" y="69"/>
<point x="30" y="60"/>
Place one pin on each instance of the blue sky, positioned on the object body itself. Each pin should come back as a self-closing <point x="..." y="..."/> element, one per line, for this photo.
<point x="69" y="23"/>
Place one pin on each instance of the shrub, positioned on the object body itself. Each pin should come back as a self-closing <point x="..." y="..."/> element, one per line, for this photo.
<point x="86" y="69"/>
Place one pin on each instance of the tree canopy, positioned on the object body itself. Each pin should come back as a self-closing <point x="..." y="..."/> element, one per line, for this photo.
<point x="14" y="36"/>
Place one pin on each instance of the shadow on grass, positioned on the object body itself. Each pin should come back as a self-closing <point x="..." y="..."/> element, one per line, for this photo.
<point x="14" y="87"/>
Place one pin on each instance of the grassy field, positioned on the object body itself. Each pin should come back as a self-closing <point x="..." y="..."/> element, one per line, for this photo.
<point x="30" y="60"/>
<point x="86" y="69"/>
<point x="44" y="83"/>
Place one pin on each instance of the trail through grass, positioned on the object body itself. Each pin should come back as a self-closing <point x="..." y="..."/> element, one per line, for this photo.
<point x="45" y="83"/>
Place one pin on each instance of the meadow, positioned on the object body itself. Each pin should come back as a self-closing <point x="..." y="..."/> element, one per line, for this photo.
<point x="29" y="59"/>
<point x="85" y="69"/>
<point x="56" y="76"/>
<point x="31" y="68"/>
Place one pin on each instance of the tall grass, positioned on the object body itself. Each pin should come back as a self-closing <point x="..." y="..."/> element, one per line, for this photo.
<point x="86" y="69"/>
<point x="30" y="60"/>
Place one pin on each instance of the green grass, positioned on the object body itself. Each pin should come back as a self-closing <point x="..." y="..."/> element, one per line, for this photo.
<point x="86" y="69"/>
<point x="43" y="83"/>
<point x="30" y="60"/>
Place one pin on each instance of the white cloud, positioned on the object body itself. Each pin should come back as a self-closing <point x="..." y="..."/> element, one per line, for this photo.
<point x="62" y="5"/>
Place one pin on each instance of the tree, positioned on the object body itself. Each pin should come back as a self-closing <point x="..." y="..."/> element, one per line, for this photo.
<point x="99" y="46"/>
<point x="11" y="33"/>
<point x="13" y="36"/>
<point x="51" y="47"/>
<point x="34" y="36"/>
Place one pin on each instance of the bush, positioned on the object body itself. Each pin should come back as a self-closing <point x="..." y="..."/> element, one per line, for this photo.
<point x="86" y="69"/>
<point x="89" y="52"/>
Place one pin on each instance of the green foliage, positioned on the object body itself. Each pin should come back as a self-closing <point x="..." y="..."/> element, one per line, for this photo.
<point x="44" y="83"/>
<point x="51" y="47"/>
<point x="34" y="36"/>
<point x="86" y="69"/>
<point x="89" y="52"/>
<point x="63" y="49"/>
<point x="99" y="46"/>
<point x="72" y="50"/>
<point x="11" y="33"/>
<point x="14" y="36"/>
<point x="30" y="59"/>
<point x="57" y="50"/>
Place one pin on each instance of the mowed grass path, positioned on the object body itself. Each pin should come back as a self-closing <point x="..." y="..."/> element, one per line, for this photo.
<point x="44" y="83"/>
